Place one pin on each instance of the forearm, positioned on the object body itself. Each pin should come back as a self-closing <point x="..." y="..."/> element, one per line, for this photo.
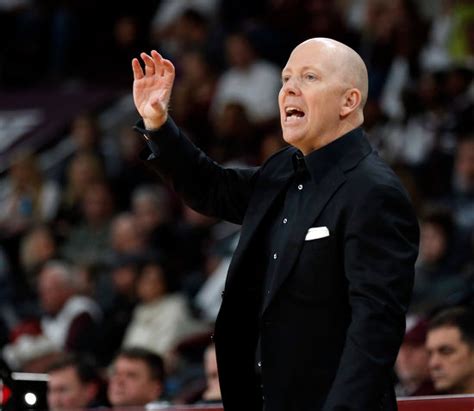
<point x="204" y="185"/>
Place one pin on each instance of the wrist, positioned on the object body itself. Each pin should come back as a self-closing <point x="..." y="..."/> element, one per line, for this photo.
<point x="154" y="124"/>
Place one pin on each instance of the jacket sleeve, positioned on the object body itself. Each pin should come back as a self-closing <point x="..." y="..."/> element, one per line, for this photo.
<point x="205" y="186"/>
<point x="381" y="246"/>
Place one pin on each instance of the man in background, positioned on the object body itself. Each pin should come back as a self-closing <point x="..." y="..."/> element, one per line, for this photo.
<point x="450" y="343"/>
<point x="137" y="378"/>
<point x="74" y="383"/>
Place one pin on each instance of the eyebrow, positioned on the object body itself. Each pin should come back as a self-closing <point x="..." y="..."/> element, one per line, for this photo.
<point x="286" y="69"/>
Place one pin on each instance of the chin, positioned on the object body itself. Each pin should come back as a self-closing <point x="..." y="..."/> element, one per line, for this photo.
<point x="292" y="138"/>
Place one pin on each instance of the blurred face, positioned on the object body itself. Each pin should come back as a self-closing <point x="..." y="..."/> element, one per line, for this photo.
<point x="131" y="384"/>
<point x="85" y="133"/>
<point x="52" y="290"/>
<point x="147" y="214"/>
<point x="432" y="243"/>
<point x="451" y="361"/>
<point x="66" y="391"/>
<point x="239" y="52"/>
<point x="124" y="279"/>
<point x="151" y="284"/>
<point x="97" y="204"/>
<point x="311" y="95"/>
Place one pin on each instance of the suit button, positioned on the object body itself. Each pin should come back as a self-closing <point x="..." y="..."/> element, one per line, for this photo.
<point x="275" y="256"/>
<point x="285" y="220"/>
<point x="259" y="364"/>
<point x="300" y="187"/>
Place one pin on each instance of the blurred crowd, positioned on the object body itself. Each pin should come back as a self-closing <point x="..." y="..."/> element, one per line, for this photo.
<point x="99" y="258"/>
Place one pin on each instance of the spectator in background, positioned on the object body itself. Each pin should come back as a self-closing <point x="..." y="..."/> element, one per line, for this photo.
<point x="162" y="316"/>
<point x="440" y="269"/>
<point x="136" y="379"/>
<point x="127" y="237"/>
<point x="74" y="383"/>
<point x="119" y="306"/>
<point x="250" y="81"/>
<point x="411" y="365"/>
<point x="461" y="198"/>
<point x="193" y="95"/>
<point x="83" y="170"/>
<point x="69" y="321"/>
<point x="450" y="343"/>
<point x="153" y="214"/>
<point x="236" y="137"/>
<point x="37" y="246"/>
<point x="29" y="198"/>
<point x="88" y="137"/>
<point x="88" y="241"/>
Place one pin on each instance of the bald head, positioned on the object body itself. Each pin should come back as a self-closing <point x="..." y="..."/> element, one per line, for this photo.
<point x="346" y="62"/>
<point x="323" y="94"/>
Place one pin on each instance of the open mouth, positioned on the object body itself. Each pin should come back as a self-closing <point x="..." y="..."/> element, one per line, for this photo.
<point x="293" y="113"/>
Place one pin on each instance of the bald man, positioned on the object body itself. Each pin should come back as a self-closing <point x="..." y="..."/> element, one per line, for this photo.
<point x="313" y="310"/>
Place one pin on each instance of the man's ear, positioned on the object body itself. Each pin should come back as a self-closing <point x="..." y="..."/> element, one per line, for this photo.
<point x="350" y="101"/>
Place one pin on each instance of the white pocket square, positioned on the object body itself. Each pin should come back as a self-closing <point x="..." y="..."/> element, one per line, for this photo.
<point x="316" y="232"/>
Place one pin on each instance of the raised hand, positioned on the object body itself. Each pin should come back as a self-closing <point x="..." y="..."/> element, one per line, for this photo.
<point x="152" y="88"/>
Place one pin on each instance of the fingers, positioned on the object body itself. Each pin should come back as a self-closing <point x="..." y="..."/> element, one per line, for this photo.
<point x="154" y="64"/>
<point x="165" y="65"/>
<point x="149" y="64"/>
<point x="137" y="70"/>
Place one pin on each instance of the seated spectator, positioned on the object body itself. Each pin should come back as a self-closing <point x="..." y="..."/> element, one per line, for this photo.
<point x="438" y="274"/>
<point x="68" y="323"/>
<point x="250" y="81"/>
<point x="127" y="236"/>
<point x="461" y="198"/>
<point x="136" y="379"/>
<point x="37" y="246"/>
<point x="450" y="343"/>
<point x="152" y="208"/>
<point x="74" y="382"/>
<point x="88" y="241"/>
<point x="29" y="197"/>
<point x="411" y="365"/>
<point x="162" y="317"/>
<point x="118" y="312"/>
<point x="83" y="170"/>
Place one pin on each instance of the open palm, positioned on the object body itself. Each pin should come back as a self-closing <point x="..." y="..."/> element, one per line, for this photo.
<point x="152" y="88"/>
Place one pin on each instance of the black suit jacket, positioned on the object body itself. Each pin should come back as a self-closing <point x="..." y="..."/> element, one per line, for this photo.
<point x="331" y="329"/>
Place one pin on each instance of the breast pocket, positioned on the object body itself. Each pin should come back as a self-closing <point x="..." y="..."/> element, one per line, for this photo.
<point x="312" y="276"/>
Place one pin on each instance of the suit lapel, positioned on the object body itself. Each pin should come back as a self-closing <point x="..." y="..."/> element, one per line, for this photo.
<point x="314" y="203"/>
<point x="267" y="190"/>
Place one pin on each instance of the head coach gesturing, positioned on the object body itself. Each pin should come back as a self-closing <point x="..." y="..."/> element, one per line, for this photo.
<point x="313" y="310"/>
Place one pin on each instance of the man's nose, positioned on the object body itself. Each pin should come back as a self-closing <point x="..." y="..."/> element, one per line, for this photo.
<point x="433" y="362"/>
<point x="291" y="86"/>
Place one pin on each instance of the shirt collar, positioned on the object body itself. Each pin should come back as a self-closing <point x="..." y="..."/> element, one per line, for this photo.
<point x="346" y="151"/>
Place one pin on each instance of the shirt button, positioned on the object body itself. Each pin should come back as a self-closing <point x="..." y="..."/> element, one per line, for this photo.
<point x="259" y="364"/>
<point x="275" y="256"/>
<point x="285" y="220"/>
<point x="300" y="186"/>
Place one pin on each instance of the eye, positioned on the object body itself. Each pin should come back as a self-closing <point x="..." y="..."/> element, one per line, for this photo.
<point x="310" y="76"/>
<point x="284" y="79"/>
